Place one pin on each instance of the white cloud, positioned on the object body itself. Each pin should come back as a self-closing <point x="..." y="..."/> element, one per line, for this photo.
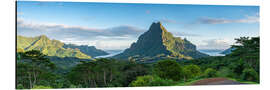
<point x="104" y="44"/>
<point x="247" y="19"/>
<point x="184" y="34"/>
<point x="108" y="38"/>
<point x="215" y="44"/>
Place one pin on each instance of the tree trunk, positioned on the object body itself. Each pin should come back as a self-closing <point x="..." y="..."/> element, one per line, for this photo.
<point x="184" y="78"/>
<point x="30" y="82"/>
<point x="104" y="77"/>
<point x="95" y="83"/>
<point x="111" y="76"/>
<point x="89" y="79"/>
<point x="35" y="78"/>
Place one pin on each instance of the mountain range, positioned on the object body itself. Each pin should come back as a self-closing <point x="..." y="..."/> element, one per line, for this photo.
<point x="158" y="43"/>
<point x="56" y="48"/>
<point x="228" y="51"/>
<point x="88" y="50"/>
<point x="155" y="44"/>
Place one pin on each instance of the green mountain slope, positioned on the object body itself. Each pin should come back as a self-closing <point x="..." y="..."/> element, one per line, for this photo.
<point x="157" y="42"/>
<point x="47" y="46"/>
<point x="88" y="50"/>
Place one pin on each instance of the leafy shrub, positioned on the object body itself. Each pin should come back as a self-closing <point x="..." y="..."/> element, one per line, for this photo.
<point x="169" y="69"/>
<point x="210" y="72"/>
<point x="41" y="87"/>
<point x="191" y="71"/>
<point x="161" y="82"/>
<point x="149" y="80"/>
<point x="20" y="86"/>
<point x="225" y="72"/>
<point x="72" y="86"/>
<point x="250" y="74"/>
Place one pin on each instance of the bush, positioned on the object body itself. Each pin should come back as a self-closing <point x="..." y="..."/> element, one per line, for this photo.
<point x="149" y="80"/>
<point x="41" y="87"/>
<point x="161" y="82"/>
<point x="169" y="69"/>
<point x="210" y="72"/>
<point x="20" y="86"/>
<point x="225" y="72"/>
<point x="191" y="71"/>
<point x="142" y="81"/>
<point x="250" y="74"/>
<point x="72" y="86"/>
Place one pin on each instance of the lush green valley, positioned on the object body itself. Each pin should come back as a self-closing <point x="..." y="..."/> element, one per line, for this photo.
<point x="34" y="69"/>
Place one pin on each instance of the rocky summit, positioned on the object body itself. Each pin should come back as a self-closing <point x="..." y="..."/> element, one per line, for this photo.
<point x="157" y="43"/>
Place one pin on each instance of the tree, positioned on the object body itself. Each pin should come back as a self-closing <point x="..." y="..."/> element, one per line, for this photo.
<point x="169" y="69"/>
<point x="209" y="72"/>
<point x="32" y="64"/>
<point x="191" y="71"/>
<point x="149" y="80"/>
<point x="225" y="72"/>
<point x="84" y="74"/>
<point x="98" y="73"/>
<point x="248" y="49"/>
<point x="250" y="74"/>
<point x="23" y="74"/>
<point x="130" y="70"/>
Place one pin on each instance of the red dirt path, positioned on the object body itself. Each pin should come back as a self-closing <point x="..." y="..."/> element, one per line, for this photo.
<point x="215" y="81"/>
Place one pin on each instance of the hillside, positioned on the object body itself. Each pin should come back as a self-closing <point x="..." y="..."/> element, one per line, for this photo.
<point x="88" y="50"/>
<point x="47" y="46"/>
<point x="157" y="42"/>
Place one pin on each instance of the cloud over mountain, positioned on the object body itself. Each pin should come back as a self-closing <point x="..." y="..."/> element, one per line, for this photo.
<point x="215" y="44"/>
<point x="81" y="32"/>
<point x="78" y="34"/>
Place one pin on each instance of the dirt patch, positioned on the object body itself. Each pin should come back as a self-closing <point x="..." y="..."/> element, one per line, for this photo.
<point x="215" y="81"/>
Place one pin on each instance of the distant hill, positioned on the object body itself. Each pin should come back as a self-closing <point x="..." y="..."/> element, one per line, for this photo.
<point x="88" y="50"/>
<point x="212" y="52"/>
<point x="158" y="43"/>
<point x="48" y="47"/>
<point x="227" y="51"/>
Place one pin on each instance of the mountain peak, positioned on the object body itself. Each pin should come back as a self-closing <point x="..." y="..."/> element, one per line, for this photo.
<point x="157" y="28"/>
<point x="158" y="41"/>
<point x="43" y="37"/>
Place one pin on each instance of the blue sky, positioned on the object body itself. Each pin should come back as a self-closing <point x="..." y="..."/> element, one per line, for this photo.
<point x="116" y="26"/>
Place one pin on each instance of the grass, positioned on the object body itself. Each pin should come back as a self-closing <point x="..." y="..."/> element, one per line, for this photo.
<point x="245" y="82"/>
<point x="189" y="82"/>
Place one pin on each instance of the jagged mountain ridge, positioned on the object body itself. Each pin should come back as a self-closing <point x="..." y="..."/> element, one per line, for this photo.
<point x="51" y="47"/>
<point x="158" y="42"/>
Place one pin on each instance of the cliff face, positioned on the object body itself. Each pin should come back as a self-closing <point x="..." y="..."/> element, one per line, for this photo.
<point x="157" y="42"/>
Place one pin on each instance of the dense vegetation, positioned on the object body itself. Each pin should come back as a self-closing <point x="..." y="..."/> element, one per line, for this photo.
<point x="36" y="70"/>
